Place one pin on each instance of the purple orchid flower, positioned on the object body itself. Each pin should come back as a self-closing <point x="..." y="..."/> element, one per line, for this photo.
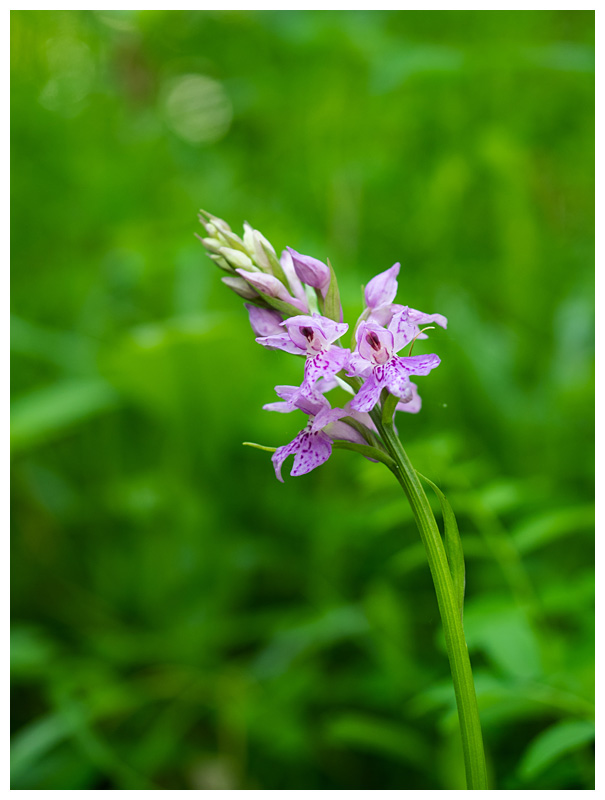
<point x="312" y="336"/>
<point x="312" y="446"/>
<point x="379" y="295"/>
<point x="375" y="359"/>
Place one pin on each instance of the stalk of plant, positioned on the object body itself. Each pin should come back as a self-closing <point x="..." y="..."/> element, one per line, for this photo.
<point x="294" y="305"/>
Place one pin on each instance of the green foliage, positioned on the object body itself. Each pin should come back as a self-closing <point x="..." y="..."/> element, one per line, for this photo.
<point x="181" y="619"/>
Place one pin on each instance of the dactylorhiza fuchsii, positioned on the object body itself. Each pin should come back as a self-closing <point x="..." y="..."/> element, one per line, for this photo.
<point x="294" y="305"/>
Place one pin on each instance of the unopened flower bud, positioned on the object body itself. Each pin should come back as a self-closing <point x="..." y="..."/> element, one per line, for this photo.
<point x="261" y="250"/>
<point x="264" y="321"/>
<point x="216" y="221"/>
<point x="214" y="245"/>
<point x="270" y="286"/>
<point x="220" y="262"/>
<point x="240" y="287"/>
<point x="311" y="271"/>
<point x="237" y="258"/>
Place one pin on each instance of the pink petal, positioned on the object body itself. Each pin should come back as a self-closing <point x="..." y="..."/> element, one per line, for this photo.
<point x="414" y="405"/>
<point x="280" y="342"/>
<point x="369" y="394"/>
<point x="420" y="365"/>
<point x="314" y="451"/>
<point x="264" y="321"/>
<point x="383" y="288"/>
<point x="311" y="271"/>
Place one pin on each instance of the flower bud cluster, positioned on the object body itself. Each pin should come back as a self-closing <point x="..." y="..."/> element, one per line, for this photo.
<point x="254" y="270"/>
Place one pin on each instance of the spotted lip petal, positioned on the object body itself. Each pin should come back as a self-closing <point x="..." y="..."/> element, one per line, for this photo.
<point x="311" y="448"/>
<point x="282" y="453"/>
<point x="369" y="394"/>
<point x="314" y="451"/>
<point x="396" y="379"/>
<point x="394" y="375"/>
<point x="323" y="365"/>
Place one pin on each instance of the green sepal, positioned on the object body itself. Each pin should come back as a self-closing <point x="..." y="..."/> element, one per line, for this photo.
<point x="276" y="267"/>
<point x="280" y="305"/>
<point x="332" y="307"/>
<point x="366" y="450"/>
<point x="453" y="543"/>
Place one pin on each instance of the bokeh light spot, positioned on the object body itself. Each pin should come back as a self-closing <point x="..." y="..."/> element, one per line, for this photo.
<point x="197" y="109"/>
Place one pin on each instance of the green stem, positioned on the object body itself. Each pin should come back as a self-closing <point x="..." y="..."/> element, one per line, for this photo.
<point x="464" y="687"/>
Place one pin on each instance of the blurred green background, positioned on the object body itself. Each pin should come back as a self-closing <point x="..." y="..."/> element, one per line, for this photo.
<point x="182" y="620"/>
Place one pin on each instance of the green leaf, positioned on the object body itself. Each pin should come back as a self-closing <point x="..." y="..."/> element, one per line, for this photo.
<point x="374" y="735"/>
<point x="541" y="530"/>
<point x="554" y="742"/>
<point x="332" y="305"/>
<point x="32" y="742"/>
<point x="502" y="631"/>
<point x="47" y="413"/>
<point x="453" y="543"/>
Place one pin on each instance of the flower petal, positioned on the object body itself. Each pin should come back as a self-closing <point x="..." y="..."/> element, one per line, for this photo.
<point x="369" y="394"/>
<point x="324" y="364"/>
<point x="374" y="343"/>
<point x="310" y="404"/>
<point x="280" y="342"/>
<point x="311" y="271"/>
<point x="420" y="318"/>
<point x="402" y="329"/>
<point x="420" y="365"/>
<point x="271" y="286"/>
<point x="296" y="286"/>
<point x="383" y="314"/>
<point x="264" y="321"/>
<point x="313" y="450"/>
<point x="358" y="366"/>
<point x="282" y="453"/>
<point x="397" y="379"/>
<point x="340" y="430"/>
<point x="414" y="405"/>
<point x="383" y="288"/>
<point x="326" y="329"/>
<point x="326" y="416"/>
